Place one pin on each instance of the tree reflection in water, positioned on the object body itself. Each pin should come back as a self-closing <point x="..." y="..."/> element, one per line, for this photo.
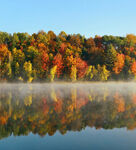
<point x="47" y="108"/>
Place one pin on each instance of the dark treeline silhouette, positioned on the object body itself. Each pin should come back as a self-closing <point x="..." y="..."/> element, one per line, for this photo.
<point x="48" y="57"/>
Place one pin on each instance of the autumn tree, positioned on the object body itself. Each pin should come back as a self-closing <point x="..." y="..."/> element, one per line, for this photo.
<point x="5" y="62"/>
<point x="58" y="61"/>
<point x="102" y="73"/>
<point x="73" y="73"/>
<point x="17" y="63"/>
<point x="45" y="61"/>
<point x="18" y="56"/>
<point x="133" y="68"/>
<point x="52" y="73"/>
<point x="31" y="53"/>
<point x="28" y="71"/>
<point x="62" y="36"/>
<point x="91" y="73"/>
<point x="42" y="37"/>
<point x="79" y="64"/>
<point x="81" y="68"/>
<point x="131" y="39"/>
<point x="110" y="57"/>
<point x="119" y="63"/>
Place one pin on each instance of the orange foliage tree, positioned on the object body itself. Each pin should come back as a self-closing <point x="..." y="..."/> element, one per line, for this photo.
<point x="133" y="68"/>
<point x="119" y="63"/>
<point x="81" y="65"/>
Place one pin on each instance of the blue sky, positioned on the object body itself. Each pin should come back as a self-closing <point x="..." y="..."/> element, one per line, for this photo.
<point x="87" y="17"/>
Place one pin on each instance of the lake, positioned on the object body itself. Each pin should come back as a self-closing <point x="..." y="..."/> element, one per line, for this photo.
<point x="68" y="116"/>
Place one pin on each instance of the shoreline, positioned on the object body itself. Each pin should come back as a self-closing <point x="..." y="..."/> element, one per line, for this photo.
<point x="64" y="82"/>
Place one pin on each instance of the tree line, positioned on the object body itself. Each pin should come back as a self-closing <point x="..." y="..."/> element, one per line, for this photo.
<point x="47" y="57"/>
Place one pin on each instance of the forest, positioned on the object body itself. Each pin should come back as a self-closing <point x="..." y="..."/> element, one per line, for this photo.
<point x="48" y="57"/>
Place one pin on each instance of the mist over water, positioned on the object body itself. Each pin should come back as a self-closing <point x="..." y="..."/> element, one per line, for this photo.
<point x="122" y="87"/>
<point x="68" y="110"/>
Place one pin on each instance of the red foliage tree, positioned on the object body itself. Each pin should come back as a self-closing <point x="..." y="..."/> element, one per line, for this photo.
<point x="62" y="48"/>
<point x="81" y="67"/>
<point x="58" y="61"/>
<point x="45" y="61"/>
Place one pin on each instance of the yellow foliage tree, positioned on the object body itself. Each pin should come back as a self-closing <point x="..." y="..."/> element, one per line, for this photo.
<point x="17" y="68"/>
<point x="73" y="74"/>
<point x="28" y="71"/>
<point x="131" y="38"/>
<point x="9" y="70"/>
<point x="91" y="73"/>
<point x="18" y="56"/>
<point x="103" y="73"/>
<point x="52" y="73"/>
<point x="5" y="62"/>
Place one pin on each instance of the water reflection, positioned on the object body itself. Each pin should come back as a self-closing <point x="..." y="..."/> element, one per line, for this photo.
<point x="47" y="108"/>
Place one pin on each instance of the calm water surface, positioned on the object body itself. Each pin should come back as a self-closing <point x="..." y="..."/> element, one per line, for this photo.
<point x="68" y="116"/>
